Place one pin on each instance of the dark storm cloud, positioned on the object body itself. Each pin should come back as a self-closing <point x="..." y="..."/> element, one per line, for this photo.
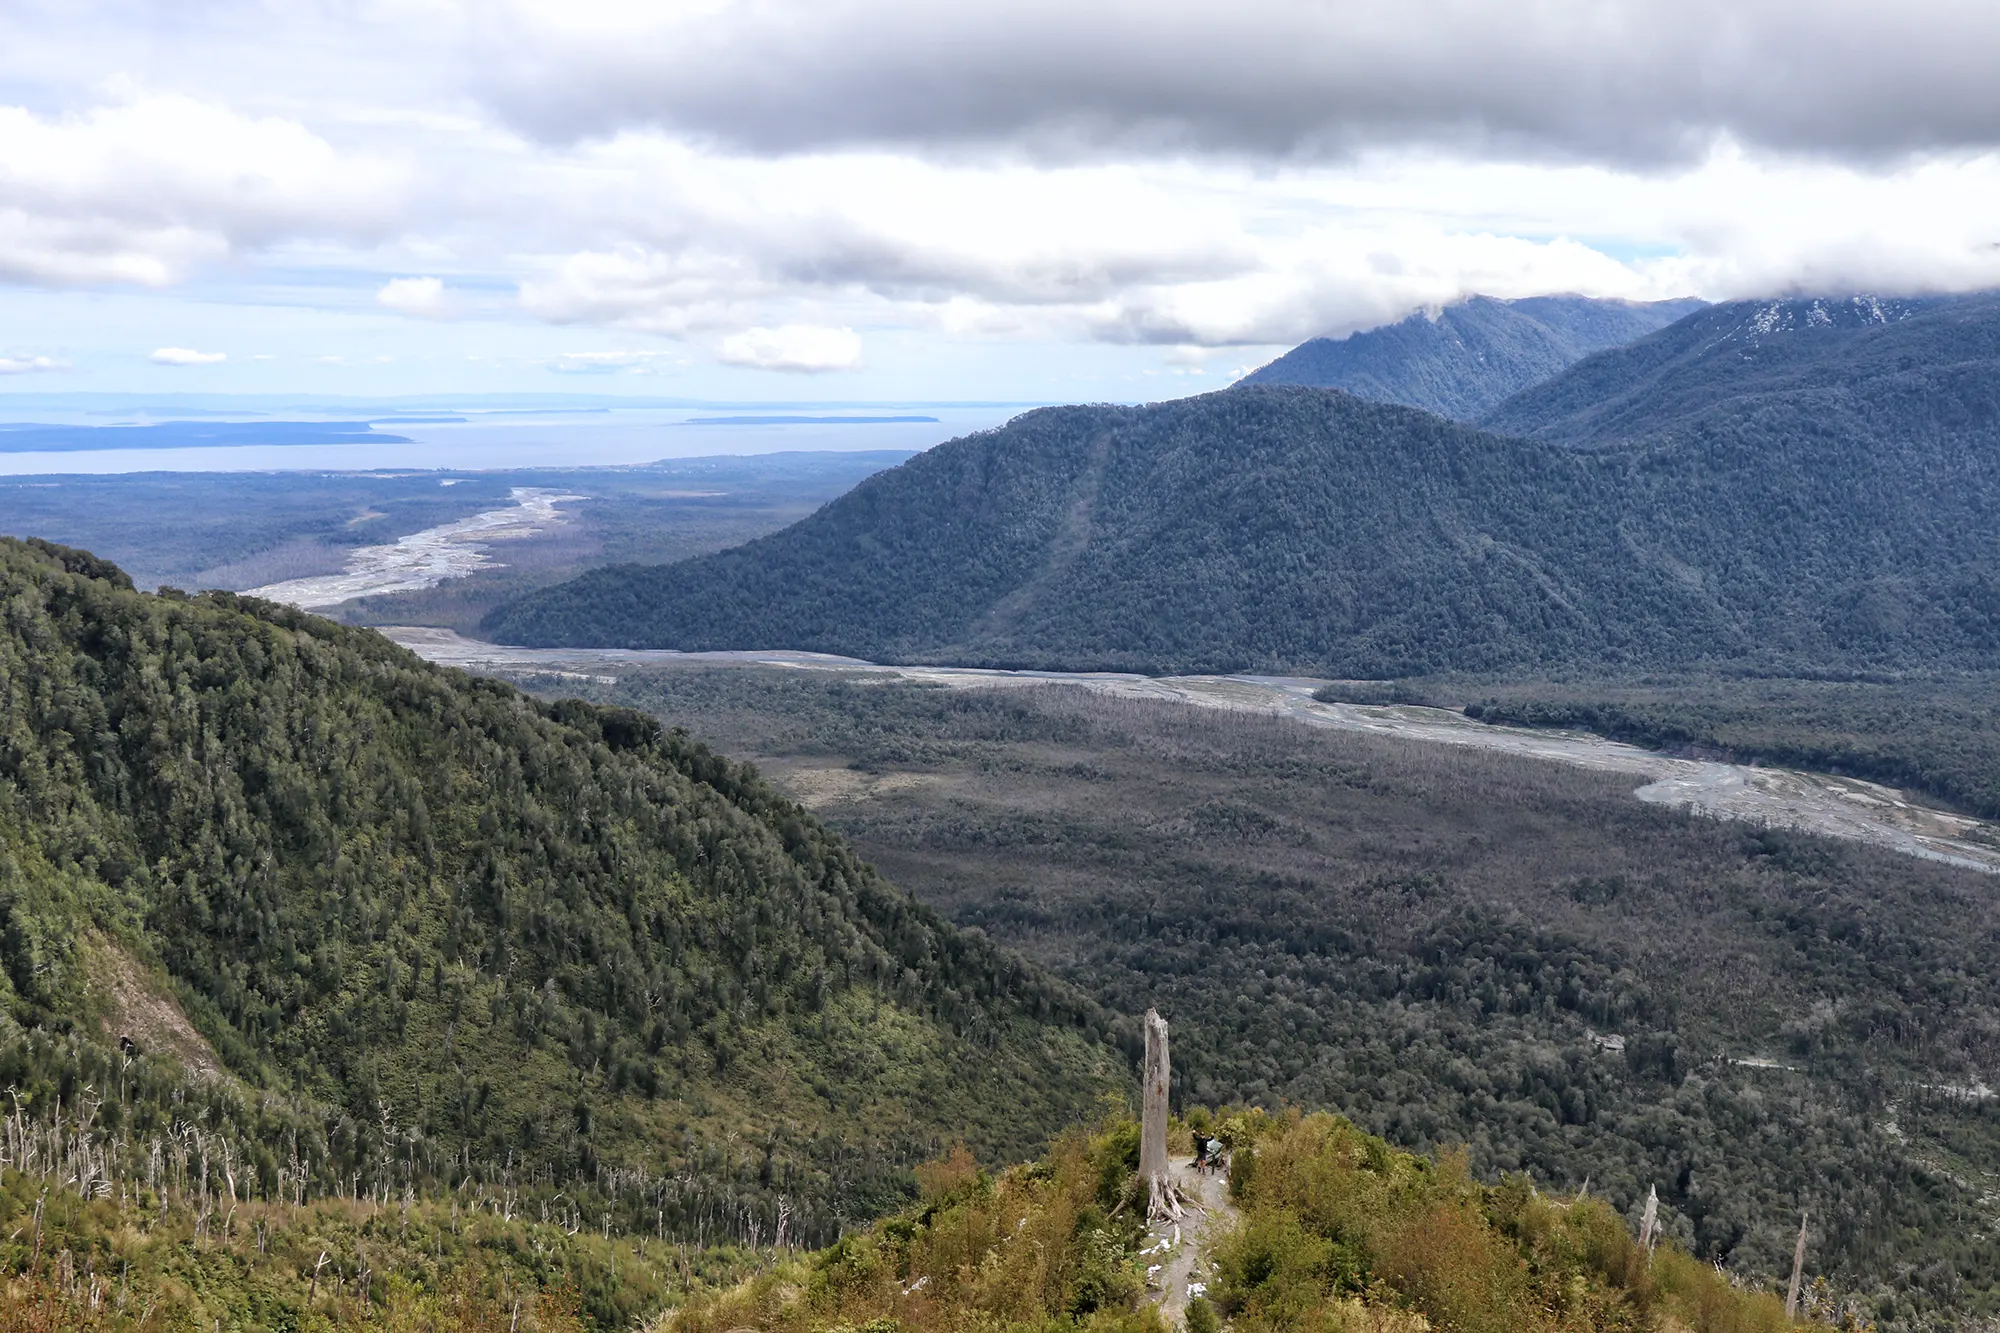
<point x="1631" y="83"/>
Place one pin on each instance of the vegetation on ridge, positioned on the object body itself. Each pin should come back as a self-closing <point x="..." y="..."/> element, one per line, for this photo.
<point x="284" y="907"/>
<point x="1340" y="1234"/>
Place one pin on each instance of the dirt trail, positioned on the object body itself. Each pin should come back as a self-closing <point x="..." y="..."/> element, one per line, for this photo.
<point x="1210" y="1217"/>
<point x="1789" y="798"/>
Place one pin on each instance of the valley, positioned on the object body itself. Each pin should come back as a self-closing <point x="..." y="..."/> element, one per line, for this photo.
<point x="1448" y="945"/>
<point x="1780" y="797"/>
<point x="770" y="667"/>
<point x="1587" y="830"/>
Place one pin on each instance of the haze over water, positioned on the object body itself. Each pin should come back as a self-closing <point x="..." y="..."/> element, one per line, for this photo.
<point x="513" y="439"/>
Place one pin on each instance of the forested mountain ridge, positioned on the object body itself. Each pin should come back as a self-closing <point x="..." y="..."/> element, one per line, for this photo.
<point x="427" y="932"/>
<point x="1285" y="529"/>
<point x="1895" y="361"/>
<point x="1463" y="359"/>
<point x="1263" y="526"/>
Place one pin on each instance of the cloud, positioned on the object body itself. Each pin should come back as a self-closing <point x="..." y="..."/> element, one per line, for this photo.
<point x="606" y="363"/>
<point x="804" y="348"/>
<point x="30" y="365"/>
<point x="758" y="178"/>
<point x="638" y="287"/>
<point x="1644" y="81"/>
<point x="145" y="189"/>
<point x="187" y="356"/>
<point x="423" y="298"/>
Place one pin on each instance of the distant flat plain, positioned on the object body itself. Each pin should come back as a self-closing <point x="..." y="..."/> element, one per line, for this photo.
<point x="245" y="530"/>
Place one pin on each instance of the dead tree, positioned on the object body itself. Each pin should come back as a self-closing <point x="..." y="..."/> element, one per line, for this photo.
<point x="1162" y="1197"/>
<point x="1798" y="1271"/>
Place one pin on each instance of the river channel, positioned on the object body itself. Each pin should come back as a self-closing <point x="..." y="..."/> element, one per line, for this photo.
<point x="1789" y="798"/>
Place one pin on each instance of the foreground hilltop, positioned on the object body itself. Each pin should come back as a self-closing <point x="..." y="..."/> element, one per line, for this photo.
<point x="1326" y="1228"/>
<point x="1830" y="512"/>
<point x="377" y="929"/>
<point x="1462" y="360"/>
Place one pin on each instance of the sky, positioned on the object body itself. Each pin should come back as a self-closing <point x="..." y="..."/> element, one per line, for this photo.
<point x="1036" y="200"/>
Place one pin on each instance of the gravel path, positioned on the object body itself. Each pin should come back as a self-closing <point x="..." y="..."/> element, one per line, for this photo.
<point x="1210" y="1217"/>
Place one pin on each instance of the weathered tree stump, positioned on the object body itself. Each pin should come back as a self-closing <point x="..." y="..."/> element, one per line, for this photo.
<point x="1163" y="1199"/>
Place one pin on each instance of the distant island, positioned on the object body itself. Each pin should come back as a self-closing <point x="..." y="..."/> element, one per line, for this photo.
<point x="30" y="437"/>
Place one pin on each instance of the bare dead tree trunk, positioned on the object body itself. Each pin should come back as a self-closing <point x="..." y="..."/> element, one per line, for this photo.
<point x="1649" y="1222"/>
<point x="1163" y="1200"/>
<point x="1798" y="1271"/>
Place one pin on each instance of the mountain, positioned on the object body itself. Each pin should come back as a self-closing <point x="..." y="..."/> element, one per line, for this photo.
<point x="1862" y="366"/>
<point x="1268" y="527"/>
<point x="378" y="928"/>
<point x="1285" y="529"/>
<point x="1462" y="360"/>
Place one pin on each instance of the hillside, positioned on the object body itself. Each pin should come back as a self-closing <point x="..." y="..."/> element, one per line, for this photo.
<point x="1463" y="359"/>
<point x="366" y="928"/>
<point x="1292" y="530"/>
<point x="1865" y="367"/>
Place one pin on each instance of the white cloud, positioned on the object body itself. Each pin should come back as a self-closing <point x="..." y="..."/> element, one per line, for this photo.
<point x="640" y="288"/>
<point x="30" y="365"/>
<point x="803" y="348"/>
<point x="187" y="356"/>
<point x="606" y="363"/>
<point x="423" y="298"/>
<point x="146" y="188"/>
<point x="758" y="178"/>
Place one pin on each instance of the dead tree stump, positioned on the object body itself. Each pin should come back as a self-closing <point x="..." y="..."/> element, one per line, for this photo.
<point x="1162" y="1197"/>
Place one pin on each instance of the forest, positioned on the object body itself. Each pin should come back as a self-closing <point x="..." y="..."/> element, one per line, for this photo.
<point x="288" y="915"/>
<point x="1828" y="512"/>
<point x="1451" y="949"/>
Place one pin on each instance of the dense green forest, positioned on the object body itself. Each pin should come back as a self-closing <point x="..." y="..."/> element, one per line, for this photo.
<point x="1339" y="1232"/>
<point x="1303" y="531"/>
<point x="1453" y="947"/>
<point x="1753" y="368"/>
<point x="1462" y="360"/>
<point x="282" y="900"/>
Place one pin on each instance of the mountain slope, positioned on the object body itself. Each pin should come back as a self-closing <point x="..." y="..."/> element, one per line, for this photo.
<point x="1467" y="357"/>
<point x="1286" y="529"/>
<point x="398" y="928"/>
<point x="1896" y="364"/>
<point x="1271" y="526"/>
